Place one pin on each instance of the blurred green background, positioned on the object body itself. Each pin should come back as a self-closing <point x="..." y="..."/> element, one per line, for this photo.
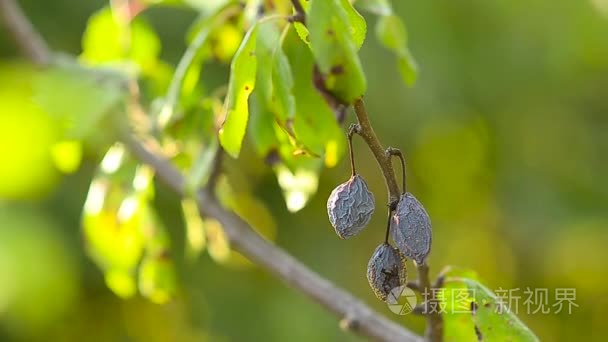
<point x="506" y="138"/>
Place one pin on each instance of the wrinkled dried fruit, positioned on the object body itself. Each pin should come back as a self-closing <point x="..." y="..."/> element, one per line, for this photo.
<point x="411" y="228"/>
<point x="350" y="207"/>
<point x="386" y="270"/>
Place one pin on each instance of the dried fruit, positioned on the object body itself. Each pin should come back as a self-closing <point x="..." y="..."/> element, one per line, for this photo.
<point x="386" y="270"/>
<point x="350" y="207"/>
<point x="411" y="228"/>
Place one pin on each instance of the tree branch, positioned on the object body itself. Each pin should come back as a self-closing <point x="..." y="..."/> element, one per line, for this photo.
<point x="28" y="40"/>
<point x="356" y="316"/>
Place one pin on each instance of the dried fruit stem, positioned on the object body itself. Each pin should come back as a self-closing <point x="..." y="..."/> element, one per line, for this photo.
<point x="397" y="153"/>
<point x="388" y="225"/>
<point x="353" y="128"/>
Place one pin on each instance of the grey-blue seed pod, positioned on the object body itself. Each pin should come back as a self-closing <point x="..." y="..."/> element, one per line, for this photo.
<point x="350" y="207"/>
<point x="386" y="270"/>
<point x="411" y="228"/>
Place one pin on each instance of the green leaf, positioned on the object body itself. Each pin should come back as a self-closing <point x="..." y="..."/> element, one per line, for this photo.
<point x="378" y="7"/>
<point x="188" y="70"/>
<point x="274" y="75"/>
<point x="186" y="75"/>
<point x="302" y="32"/>
<point x="391" y="32"/>
<point x="334" y="46"/>
<point x="474" y="312"/>
<point x="355" y="23"/>
<point x="261" y="128"/>
<point x="78" y="97"/>
<point x="241" y="84"/>
<point x="314" y="125"/>
<point x="108" y="41"/>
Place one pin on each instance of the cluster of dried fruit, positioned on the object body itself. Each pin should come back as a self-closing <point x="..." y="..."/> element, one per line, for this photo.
<point x="350" y="207"/>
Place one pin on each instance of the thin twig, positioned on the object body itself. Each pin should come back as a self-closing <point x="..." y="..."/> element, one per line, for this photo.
<point x="27" y="38"/>
<point x="388" y="225"/>
<point x="397" y="153"/>
<point x="352" y="130"/>
<point x="300" y="13"/>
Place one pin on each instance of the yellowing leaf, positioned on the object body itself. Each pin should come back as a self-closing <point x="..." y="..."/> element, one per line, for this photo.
<point x="121" y="282"/>
<point x="195" y="228"/>
<point x="241" y="84"/>
<point x="106" y="40"/>
<point x="67" y="155"/>
<point x="116" y="221"/>
<point x="217" y="241"/>
<point x="157" y="279"/>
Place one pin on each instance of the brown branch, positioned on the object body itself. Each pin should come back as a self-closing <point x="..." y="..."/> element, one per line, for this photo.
<point x="27" y="38"/>
<point x="366" y="131"/>
<point x="356" y="316"/>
